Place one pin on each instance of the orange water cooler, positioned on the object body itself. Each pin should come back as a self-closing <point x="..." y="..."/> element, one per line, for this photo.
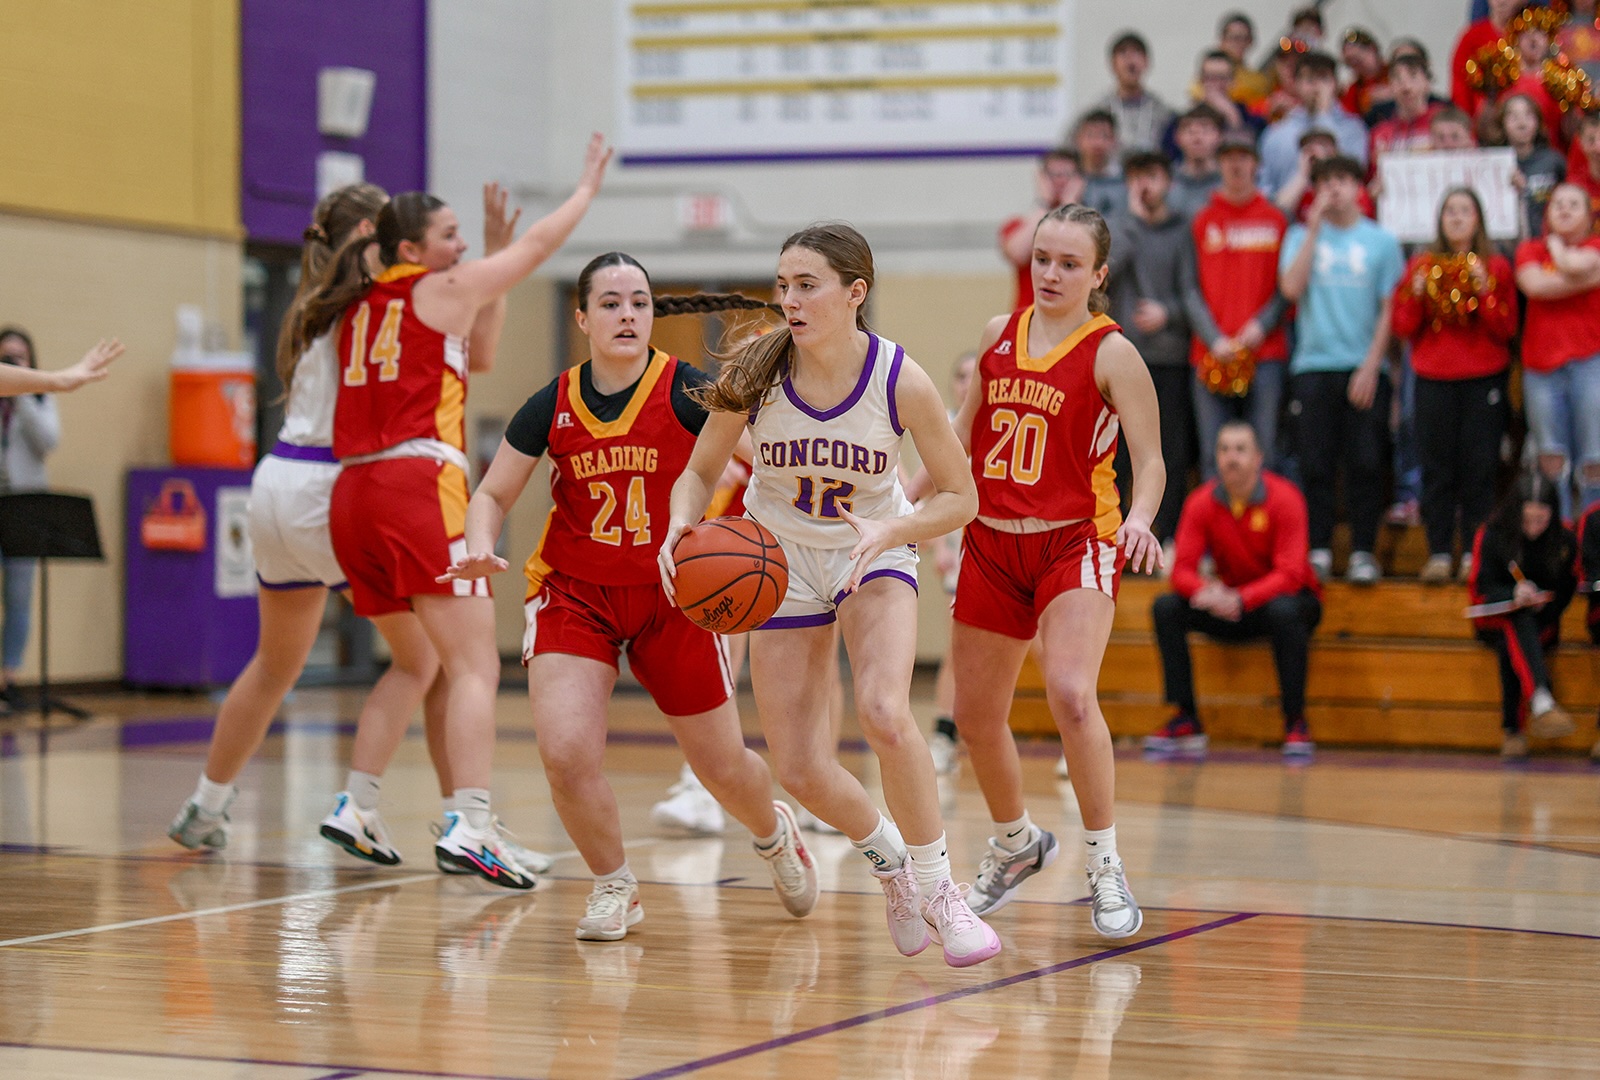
<point x="212" y="410"/>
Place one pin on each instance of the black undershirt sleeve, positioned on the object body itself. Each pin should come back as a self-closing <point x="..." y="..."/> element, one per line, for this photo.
<point x="529" y="430"/>
<point x="690" y="413"/>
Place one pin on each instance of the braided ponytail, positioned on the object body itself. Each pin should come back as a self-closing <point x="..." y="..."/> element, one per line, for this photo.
<point x="710" y="304"/>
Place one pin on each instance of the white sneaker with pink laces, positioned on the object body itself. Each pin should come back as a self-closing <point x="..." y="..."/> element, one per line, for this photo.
<point x="967" y="939"/>
<point x="906" y="925"/>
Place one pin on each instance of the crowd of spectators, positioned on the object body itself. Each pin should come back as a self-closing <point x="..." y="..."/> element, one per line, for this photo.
<point x="1253" y="274"/>
<point x="1284" y="323"/>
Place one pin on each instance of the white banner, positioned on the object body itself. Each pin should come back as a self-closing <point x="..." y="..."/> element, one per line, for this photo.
<point x="1414" y="184"/>
<point x="703" y="81"/>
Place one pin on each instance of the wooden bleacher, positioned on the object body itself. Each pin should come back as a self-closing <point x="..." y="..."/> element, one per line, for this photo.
<point x="1391" y="665"/>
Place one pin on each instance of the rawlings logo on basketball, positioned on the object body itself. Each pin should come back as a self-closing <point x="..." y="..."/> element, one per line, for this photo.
<point x="731" y="575"/>
<point x="713" y="617"/>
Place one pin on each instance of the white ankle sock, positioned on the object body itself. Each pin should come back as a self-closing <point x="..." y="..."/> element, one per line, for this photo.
<point x="884" y="848"/>
<point x="765" y="844"/>
<point x="473" y="802"/>
<point x="1100" y="845"/>
<point x="448" y="802"/>
<point x="213" y="798"/>
<point x="931" y="864"/>
<point x="620" y="873"/>
<point x="363" y="789"/>
<point x="1013" y="836"/>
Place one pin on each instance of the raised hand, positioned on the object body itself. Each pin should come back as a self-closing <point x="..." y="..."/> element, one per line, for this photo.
<point x="595" y="160"/>
<point x="94" y="366"/>
<point x="498" y="229"/>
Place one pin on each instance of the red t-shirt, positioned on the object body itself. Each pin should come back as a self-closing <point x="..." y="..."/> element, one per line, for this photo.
<point x="1024" y="272"/>
<point x="1236" y="256"/>
<point x="1395" y="135"/>
<point x="1261" y="548"/>
<point x="1479" y="348"/>
<point x="1558" y="331"/>
<point x="1357" y="97"/>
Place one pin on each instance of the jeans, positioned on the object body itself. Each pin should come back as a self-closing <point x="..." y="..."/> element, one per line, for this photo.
<point x="1407" y="455"/>
<point x="1460" y="423"/>
<point x="18" y="591"/>
<point x="1330" y="433"/>
<point x="1177" y="448"/>
<point x="1564" y="420"/>
<point x="1260" y="406"/>
<point x="1519" y="641"/>
<point x="1287" y="620"/>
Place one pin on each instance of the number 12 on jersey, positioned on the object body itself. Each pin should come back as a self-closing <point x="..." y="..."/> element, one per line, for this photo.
<point x="836" y="494"/>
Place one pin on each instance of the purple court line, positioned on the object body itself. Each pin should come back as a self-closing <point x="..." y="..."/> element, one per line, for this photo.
<point x="937" y="999"/>
<point x="340" y="1070"/>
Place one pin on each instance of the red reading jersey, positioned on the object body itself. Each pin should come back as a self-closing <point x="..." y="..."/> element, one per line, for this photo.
<point x="1044" y="437"/>
<point x="611" y="482"/>
<point x="400" y="379"/>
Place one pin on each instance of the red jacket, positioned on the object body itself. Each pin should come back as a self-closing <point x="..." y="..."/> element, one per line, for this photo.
<point x="1263" y="550"/>
<point x="1236" y="260"/>
<point x="1479" y="348"/>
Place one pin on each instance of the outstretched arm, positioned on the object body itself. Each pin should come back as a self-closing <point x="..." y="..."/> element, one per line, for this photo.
<point x="94" y="366"/>
<point x="691" y="494"/>
<point x="498" y="231"/>
<point x="486" y="514"/>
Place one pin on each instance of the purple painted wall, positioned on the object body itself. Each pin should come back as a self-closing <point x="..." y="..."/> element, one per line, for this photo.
<point x="284" y="43"/>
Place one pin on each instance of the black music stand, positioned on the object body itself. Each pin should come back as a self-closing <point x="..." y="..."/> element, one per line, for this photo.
<point x="47" y="525"/>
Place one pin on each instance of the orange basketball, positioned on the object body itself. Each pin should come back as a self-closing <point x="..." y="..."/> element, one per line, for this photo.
<point x="731" y="575"/>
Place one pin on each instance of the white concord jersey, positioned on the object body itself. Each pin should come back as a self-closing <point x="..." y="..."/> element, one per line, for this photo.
<point x="308" y="416"/>
<point x="809" y="462"/>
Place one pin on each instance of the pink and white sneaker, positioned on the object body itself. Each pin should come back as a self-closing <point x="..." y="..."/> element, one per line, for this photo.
<point x="967" y="939"/>
<point x="906" y="925"/>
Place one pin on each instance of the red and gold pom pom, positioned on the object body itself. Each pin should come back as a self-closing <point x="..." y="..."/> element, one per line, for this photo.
<point x="1450" y="292"/>
<point x="1568" y="84"/>
<point x="1549" y="19"/>
<point x="1494" y="68"/>
<point x="1230" y="375"/>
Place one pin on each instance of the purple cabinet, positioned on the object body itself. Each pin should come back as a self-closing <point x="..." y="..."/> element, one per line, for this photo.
<point x="190" y="616"/>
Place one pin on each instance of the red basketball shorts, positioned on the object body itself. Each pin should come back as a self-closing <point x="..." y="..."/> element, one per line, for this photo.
<point x="396" y="525"/>
<point x="1008" y="579"/>
<point x="684" y="668"/>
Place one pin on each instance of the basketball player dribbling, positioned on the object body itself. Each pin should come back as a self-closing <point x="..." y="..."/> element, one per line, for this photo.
<point x="398" y="511"/>
<point x="289" y="496"/>
<point x="825" y="482"/>
<point x="618" y="430"/>
<point x="1055" y="383"/>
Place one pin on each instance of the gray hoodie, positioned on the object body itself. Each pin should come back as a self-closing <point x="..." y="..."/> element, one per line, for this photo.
<point x="1147" y="263"/>
<point x="30" y="432"/>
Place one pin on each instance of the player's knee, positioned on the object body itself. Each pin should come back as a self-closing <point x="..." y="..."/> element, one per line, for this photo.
<point x="1072" y="697"/>
<point x="883" y="719"/>
<point x="566" y="760"/>
<point x="805" y="779"/>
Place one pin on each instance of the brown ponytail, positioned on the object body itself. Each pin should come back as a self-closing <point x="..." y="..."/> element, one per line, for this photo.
<point x="710" y="304"/>
<point x="1091" y="220"/>
<point x="344" y="279"/>
<point x="749" y="373"/>
<point x="334" y="221"/>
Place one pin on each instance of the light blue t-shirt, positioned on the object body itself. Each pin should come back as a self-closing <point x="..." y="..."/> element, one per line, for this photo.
<point x="1353" y="271"/>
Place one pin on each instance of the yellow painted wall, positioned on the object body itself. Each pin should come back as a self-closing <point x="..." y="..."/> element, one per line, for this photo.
<point x="69" y="284"/>
<point x="122" y="111"/>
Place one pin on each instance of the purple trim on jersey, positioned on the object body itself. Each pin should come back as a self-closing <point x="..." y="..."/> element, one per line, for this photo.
<point x="795" y="622"/>
<point x="283" y="586"/>
<point x="894" y="377"/>
<point x="901" y="574"/>
<point x="295" y="452"/>
<point x="845" y="405"/>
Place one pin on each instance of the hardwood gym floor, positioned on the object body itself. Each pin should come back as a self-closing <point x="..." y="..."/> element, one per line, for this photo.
<point x="1374" y="914"/>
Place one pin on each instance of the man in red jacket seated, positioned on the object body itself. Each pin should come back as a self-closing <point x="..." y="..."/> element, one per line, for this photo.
<point x="1252" y="525"/>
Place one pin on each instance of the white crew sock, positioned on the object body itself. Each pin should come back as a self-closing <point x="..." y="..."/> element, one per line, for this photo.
<point x="1100" y="846"/>
<point x="211" y="797"/>
<point x="1013" y="836"/>
<point x="620" y="873"/>
<point x="883" y="847"/>
<point x="473" y="802"/>
<point x="363" y="789"/>
<point x="931" y="864"/>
